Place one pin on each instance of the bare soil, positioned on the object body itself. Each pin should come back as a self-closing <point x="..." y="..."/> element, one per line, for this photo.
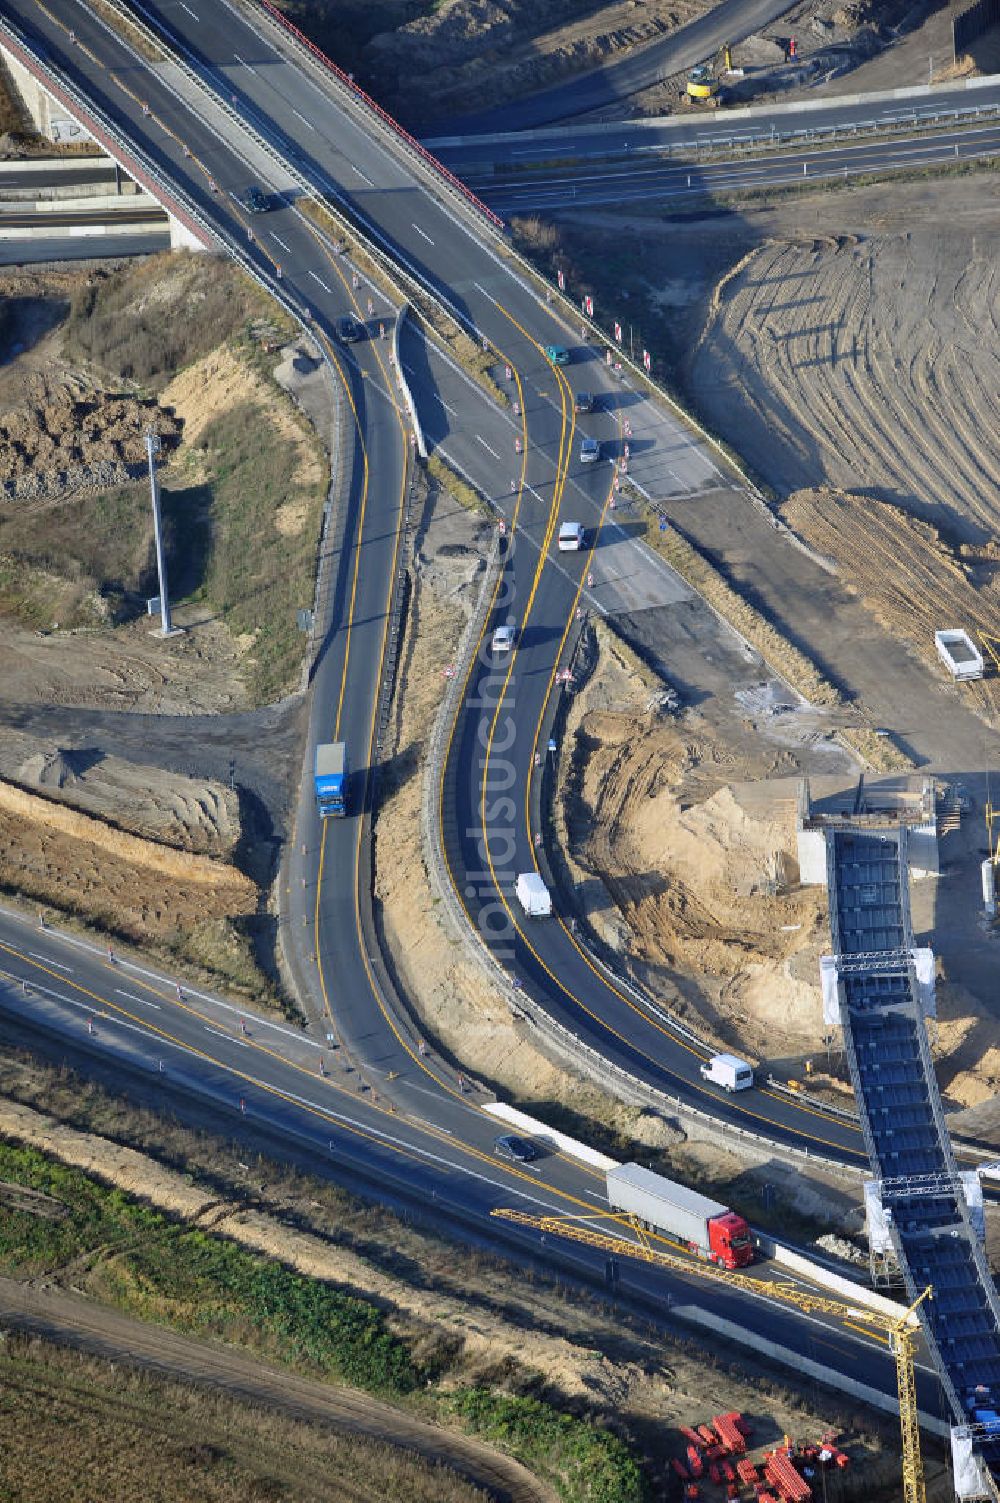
<point x="469" y="52"/>
<point x="695" y="856"/>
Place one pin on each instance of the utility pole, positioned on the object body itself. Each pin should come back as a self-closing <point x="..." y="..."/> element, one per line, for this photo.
<point x="152" y="449"/>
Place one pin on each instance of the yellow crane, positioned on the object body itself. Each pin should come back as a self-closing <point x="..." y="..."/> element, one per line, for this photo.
<point x="901" y="1331"/>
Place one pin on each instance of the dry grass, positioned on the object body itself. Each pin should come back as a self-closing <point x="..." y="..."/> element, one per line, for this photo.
<point x="467" y="1313"/>
<point x="73" y="1427"/>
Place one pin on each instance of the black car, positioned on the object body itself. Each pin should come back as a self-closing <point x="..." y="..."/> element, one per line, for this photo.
<point x="584" y="401"/>
<point x="517" y="1150"/>
<point x="255" y="201"/>
<point x="349" y="331"/>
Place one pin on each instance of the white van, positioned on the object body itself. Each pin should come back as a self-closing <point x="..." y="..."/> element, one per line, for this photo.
<point x="570" y="537"/>
<point x="727" y="1071"/>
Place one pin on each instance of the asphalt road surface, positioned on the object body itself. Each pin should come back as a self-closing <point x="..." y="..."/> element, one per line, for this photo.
<point x="647" y="179"/>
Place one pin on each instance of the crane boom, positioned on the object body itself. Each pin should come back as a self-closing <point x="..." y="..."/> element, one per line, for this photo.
<point x="901" y="1330"/>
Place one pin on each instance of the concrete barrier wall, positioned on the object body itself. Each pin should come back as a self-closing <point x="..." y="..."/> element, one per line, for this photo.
<point x="798" y="1362"/>
<point x="843" y="1288"/>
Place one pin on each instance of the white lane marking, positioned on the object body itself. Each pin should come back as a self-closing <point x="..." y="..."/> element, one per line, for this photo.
<point x="220" y="1035"/>
<point x="320" y="281"/>
<point x="421" y="232"/>
<point x="486" y="446"/>
<point x="303" y="118"/>
<point x="142" y="1001"/>
<point x="189" y="11"/>
<point x="59" y="967"/>
<point x="361" y="174"/>
<point x="243" y="64"/>
<point x="288" y="248"/>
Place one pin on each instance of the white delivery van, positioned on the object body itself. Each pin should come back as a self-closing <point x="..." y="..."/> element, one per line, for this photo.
<point x="729" y="1072"/>
<point x="570" y="537"/>
<point x="533" y="895"/>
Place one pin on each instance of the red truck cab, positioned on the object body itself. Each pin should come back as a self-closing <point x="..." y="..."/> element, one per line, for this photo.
<point x="729" y="1241"/>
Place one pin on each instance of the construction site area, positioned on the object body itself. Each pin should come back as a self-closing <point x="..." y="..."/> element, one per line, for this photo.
<point x="766" y="808"/>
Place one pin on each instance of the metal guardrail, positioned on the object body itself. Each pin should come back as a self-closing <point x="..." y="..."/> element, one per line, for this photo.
<point x="401" y="137"/>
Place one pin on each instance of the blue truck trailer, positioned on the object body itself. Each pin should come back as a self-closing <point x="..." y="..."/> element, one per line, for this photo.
<point x="331" y="778"/>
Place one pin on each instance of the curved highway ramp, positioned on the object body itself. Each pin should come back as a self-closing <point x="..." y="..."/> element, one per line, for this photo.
<point x="903" y="1123"/>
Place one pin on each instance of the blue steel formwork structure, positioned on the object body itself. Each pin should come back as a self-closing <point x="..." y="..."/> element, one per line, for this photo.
<point x="889" y="1057"/>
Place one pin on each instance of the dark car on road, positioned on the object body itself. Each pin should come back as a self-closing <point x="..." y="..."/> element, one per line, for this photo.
<point x="349" y="330"/>
<point x="516" y="1150"/>
<point x="584" y="401"/>
<point x="255" y="200"/>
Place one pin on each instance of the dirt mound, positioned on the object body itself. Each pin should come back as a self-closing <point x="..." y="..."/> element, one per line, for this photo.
<point x="471" y="51"/>
<point x="166" y="807"/>
<point x="52" y="769"/>
<point x="697" y="874"/>
<point x="63" y="436"/>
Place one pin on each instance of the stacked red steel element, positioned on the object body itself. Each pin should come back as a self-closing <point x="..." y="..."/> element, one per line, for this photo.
<point x="692" y="1491"/>
<point x="680" y="1469"/>
<point x="707" y="1436"/>
<point x="747" y="1472"/>
<point x="695" y="1464"/>
<point x="730" y="1433"/>
<point x="780" y="1472"/>
<point x="691" y="1435"/>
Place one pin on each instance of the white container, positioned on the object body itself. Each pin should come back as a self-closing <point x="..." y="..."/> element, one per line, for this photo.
<point x="727" y="1071"/>
<point x="533" y="895"/>
<point x="959" y="654"/>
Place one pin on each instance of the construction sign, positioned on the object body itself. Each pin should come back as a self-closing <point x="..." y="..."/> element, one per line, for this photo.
<point x="618" y="332"/>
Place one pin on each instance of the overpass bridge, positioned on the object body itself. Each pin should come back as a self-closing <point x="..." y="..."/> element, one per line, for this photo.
<point x="882" y="1008"/>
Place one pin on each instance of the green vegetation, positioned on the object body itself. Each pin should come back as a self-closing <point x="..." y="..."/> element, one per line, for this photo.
<point x="584" y="1463"/>
<point x="81" y="572"/>
<point x="153" y="1267"/>
<point x="449" y="480"/>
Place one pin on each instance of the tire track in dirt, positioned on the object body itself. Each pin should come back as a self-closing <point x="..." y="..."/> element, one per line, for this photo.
<point x="863" y="366"/>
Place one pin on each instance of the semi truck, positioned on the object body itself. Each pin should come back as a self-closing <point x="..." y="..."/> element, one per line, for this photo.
<point x="705" y="1227"/>
<point x="533" y="895"/>
<point x="331" y="778"/>
<point x="730" y="1073"/>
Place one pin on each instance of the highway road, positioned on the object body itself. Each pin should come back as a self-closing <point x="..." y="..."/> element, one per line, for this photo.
<point x="647" y="178"/>
<point x="133" y="1017"/>
<point x="901" y="110"/>
<point x="382" y="1102"/>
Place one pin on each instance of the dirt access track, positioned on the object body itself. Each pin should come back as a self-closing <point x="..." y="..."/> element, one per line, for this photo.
<point x="69" y="1321"/>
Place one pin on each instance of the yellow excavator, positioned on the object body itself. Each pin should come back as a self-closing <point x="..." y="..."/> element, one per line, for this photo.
<point x="703" y="83"/>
